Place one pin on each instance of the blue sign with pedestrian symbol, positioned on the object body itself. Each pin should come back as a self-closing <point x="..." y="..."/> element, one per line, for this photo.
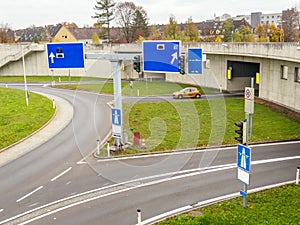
<point x="161" y="56"/>
<point x="65" y="55"/>
<point x="116" y="117"/>
<point x="244" y="158"/>
<point x="195" y="61"/>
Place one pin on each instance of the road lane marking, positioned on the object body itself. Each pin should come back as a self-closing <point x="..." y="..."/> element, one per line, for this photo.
<point x="190" y="152"/>
<point x="1" y="210"/>
<point x="180" y="175"/>
<point x="26" y="196"/>
<point x="61" y="174"/>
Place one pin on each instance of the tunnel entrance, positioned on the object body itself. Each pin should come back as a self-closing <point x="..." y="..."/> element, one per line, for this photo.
<point x="239" y="75"/>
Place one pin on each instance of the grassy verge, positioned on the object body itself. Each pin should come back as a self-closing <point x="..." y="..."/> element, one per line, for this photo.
<point x="275" y="206"/>
<point x="20" y="79"/>
<point x="139" y="88"/>
<point x="18" y="120"/>
<point x="191" y="124"/>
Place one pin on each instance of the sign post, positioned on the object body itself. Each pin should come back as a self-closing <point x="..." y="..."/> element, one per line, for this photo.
<point x="243" y="169"/>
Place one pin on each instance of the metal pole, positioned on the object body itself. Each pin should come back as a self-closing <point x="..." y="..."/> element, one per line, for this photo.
<point x="251" y="115"/>
<point x="25" y="80"/>
<point x="116" y="68"/>
<point x="245" y="197"/>
<point x="297" y="175"/>
<point x="98" y="147"/>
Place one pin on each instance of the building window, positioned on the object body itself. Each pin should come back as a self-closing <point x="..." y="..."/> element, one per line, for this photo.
<point x="297" y="74"/>
<point x="64" y="36"/>
<point x="284" y="72"/>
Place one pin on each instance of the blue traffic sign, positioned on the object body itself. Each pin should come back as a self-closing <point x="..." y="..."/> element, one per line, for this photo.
<point x="195" y="61"/>
<point x="244" y="158"/>
<point x="116" y="117"/>
<point x="243" y="193"/>
<point x="161" y="56"/>
<point x="65" y="55"/>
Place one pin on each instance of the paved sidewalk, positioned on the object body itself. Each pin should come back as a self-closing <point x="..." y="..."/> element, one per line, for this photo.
<point x="62" y="117"/>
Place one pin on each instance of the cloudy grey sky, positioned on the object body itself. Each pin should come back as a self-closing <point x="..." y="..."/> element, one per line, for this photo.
<point x="24" y="13"/>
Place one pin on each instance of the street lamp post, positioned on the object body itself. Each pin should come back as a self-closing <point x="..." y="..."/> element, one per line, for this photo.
<point x="281" y="21"/>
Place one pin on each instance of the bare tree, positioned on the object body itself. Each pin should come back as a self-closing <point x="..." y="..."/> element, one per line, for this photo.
<point x="6" y="34"/>
<point x="124" y="15"/>
<point x="290" y="24"/>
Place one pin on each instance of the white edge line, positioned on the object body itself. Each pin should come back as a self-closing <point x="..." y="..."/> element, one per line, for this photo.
<point x="167" y="214"/>
<point x="61" y="174"/>
<point x="228" y="166"/>
<point x="184" y="209"/>
<point x="191" y="151"/>
<point x="26" y="196"/>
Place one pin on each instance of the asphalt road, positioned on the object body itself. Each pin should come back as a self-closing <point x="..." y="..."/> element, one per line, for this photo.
<point x="61" y="183"/>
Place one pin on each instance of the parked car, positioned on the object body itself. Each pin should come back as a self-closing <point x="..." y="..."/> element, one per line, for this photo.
<point x="189" y="92"/>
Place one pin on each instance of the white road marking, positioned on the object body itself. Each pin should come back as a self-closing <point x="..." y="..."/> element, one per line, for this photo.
<point x="34" y="204"/>
<point x="26" y="196"/>
<point x="184" y="209"/>
<point x="81" y="162"/>
<point x="1" y="210"/>
<point x="61" y="174"/>
<point x="191" y="172"/>
<point x="190" y="151"/>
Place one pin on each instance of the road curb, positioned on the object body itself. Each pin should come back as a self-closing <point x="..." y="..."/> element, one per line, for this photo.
<point x="60" y="119"/>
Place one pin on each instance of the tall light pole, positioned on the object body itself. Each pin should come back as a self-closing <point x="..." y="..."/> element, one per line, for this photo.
<point x="25" y="80"/>
<point x="281" y="21"/>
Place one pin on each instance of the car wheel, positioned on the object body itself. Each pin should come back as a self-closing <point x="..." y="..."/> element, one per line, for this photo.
<point x="198" y="96"/>
<point x="180" y="96"/>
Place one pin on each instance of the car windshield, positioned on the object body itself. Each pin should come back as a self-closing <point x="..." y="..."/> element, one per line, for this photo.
<point x="183" y="90"/>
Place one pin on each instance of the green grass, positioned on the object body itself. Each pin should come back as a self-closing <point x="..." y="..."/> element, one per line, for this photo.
<point x="189" y="124"/>
<point x="274" y="206"/>
<point x="139" y="88"/>
<point x="18" y="120"/>
<point x="20" y="79"/>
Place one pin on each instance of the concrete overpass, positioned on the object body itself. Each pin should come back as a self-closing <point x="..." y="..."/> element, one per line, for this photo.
<point x="274" y="66"/>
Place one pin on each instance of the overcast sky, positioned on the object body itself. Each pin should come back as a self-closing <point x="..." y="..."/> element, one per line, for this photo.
<point x="19" y="14"/>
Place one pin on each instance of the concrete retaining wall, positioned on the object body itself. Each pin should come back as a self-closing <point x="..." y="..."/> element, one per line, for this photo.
<point x="269" y="56"/>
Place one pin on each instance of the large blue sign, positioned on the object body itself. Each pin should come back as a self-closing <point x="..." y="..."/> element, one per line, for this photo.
<point x="65" y="55"/>
<point x="195" y="61"/>
<point x="161" y="56"/>
<point x="244" y="158"/>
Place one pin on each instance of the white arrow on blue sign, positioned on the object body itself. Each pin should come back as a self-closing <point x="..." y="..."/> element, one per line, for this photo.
<point x="161" y="56"/>
<point x="244" y="158"/>
<point x="195" y="61"/>
<point x="65" y="55"/>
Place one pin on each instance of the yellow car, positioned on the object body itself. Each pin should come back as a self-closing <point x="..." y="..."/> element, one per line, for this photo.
<point x="189" y="92"/>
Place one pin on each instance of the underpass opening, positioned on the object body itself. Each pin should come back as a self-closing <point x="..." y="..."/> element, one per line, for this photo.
<point x="239" y="75"/>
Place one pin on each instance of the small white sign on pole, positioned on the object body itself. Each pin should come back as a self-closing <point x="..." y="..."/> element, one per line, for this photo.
<point x="243" y="176"/>
<point x="249" y="100"/>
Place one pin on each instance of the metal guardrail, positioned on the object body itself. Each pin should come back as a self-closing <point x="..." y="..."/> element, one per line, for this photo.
<point x="15" y="57"/>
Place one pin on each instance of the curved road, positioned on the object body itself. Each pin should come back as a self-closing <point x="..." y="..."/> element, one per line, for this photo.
<point x="61" y="183"/>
